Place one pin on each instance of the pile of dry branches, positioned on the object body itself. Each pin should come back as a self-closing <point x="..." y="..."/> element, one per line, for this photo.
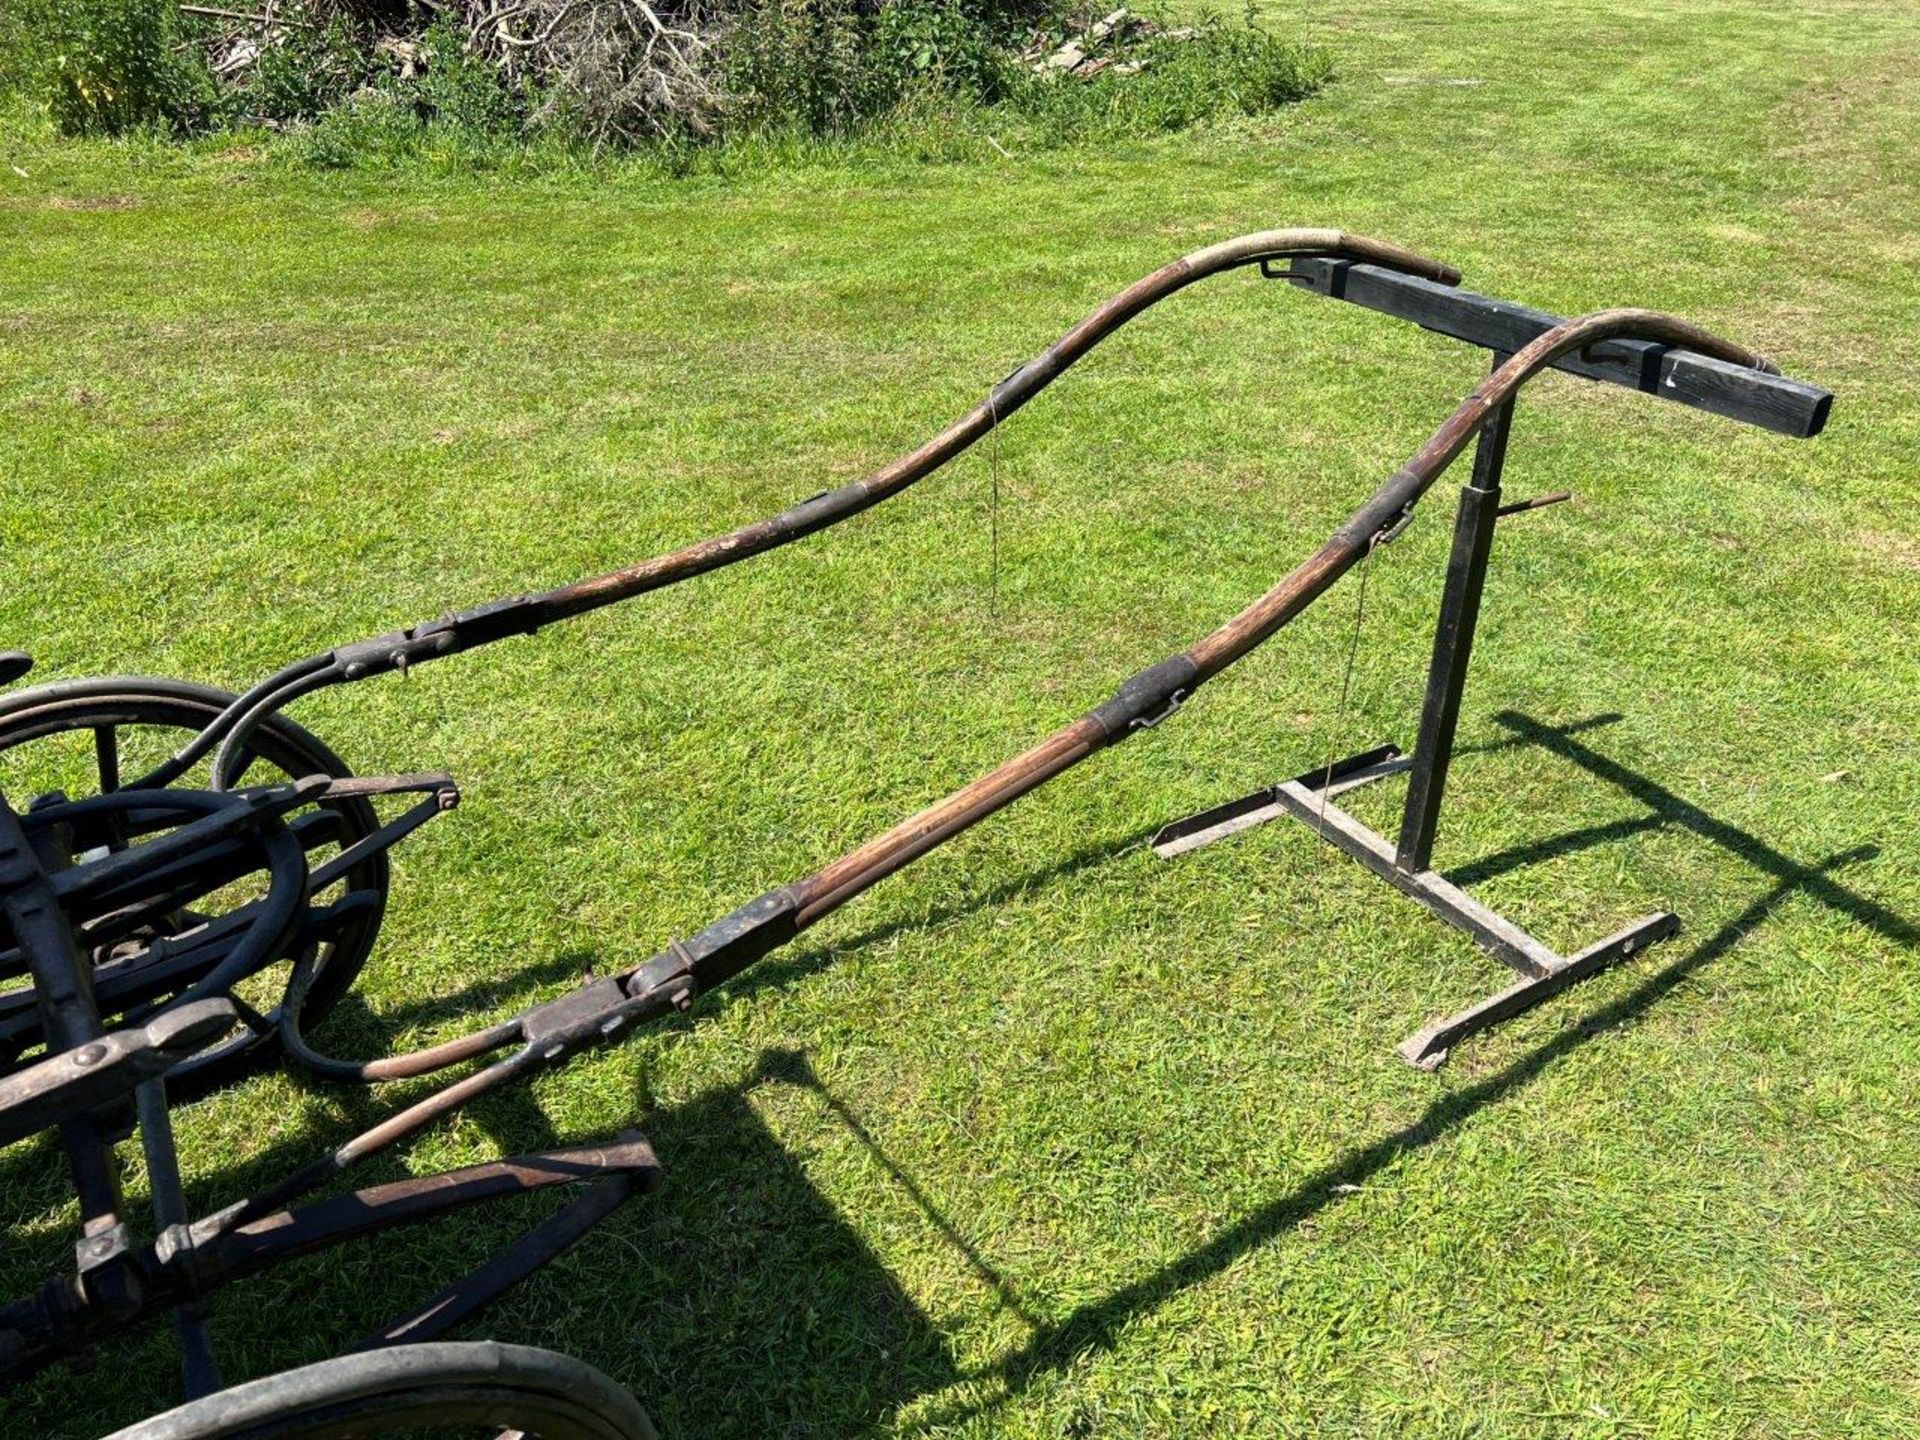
<point x="613" y="71"/>
<point x="616" y="70"/>
<point x="620" y="69"/>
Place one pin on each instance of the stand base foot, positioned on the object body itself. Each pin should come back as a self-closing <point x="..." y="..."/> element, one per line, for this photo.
<point x="1306" y="798"/>
<point x="1428" y="1049"/>
<point x="1177" y="837"/>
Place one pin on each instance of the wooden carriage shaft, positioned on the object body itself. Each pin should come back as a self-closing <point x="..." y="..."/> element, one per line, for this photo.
<point x="1372" y="273"/>
<point x="610" y="1008"/>
<point x="729" y="945"/>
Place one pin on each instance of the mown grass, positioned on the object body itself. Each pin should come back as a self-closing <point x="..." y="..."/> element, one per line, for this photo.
<point x="1047" y="1137"/>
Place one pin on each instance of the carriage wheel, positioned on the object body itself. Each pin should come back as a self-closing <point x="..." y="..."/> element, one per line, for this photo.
<point x="446" y="1389"/>
<point x="85" y="737"/>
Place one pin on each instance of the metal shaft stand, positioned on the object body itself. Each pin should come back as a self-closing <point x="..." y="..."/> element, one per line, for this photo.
<point x="1407" y="863"/>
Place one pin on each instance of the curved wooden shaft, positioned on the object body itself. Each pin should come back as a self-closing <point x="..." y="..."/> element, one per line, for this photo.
<point x="1015" y="391"/>
<point x="1155" y="691"/>
<point x="525" y="614"/>
<point x="612" y="1008"/>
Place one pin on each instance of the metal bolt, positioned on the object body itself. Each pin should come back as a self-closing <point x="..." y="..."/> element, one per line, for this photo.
<point x="90" y="1054"/>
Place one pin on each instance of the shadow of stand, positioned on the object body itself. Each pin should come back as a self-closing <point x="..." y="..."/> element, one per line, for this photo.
<point x="739" y="1265"/>
<point x="1096" y="1326"/>
<point x="1668" y="809"/>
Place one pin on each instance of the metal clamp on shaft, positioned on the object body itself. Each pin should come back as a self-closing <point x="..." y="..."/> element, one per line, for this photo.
<point x="1394" y="528"/>
<point x="1166" y="712"/>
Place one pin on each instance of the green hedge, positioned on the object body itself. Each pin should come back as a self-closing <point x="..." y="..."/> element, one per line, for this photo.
<point x="914" y="70"/>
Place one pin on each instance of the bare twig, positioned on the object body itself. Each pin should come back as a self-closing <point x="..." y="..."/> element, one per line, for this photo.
<point x="267" y="19"/>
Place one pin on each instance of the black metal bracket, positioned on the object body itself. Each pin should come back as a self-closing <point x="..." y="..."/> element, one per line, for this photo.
<point x="1407" y="863"/>
<point x="1771" y="402"/>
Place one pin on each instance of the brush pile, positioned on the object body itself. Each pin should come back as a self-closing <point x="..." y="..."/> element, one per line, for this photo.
<point x="378" y="79"/>
<point x="1119" y="43"/>
<point x="620" y="69"/>
<point x="631" y="70"/>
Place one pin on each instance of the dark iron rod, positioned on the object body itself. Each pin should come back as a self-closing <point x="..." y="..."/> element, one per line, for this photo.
<point x="1453" y="641"/>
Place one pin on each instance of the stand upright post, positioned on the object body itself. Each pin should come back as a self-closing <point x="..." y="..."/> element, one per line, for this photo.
<point x="1453" y="640"/>
<point x="1407" y="864"/>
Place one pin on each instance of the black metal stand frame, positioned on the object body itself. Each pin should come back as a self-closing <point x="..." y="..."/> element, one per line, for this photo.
<point x="1406" y="863"/>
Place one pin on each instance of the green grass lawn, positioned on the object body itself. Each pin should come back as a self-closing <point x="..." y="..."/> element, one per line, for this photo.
<point x="1047" y="1137"/>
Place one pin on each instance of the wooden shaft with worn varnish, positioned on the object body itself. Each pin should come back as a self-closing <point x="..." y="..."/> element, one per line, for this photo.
<point x="673" y="978"/>
<point x="1155" y="690"/>
<point x="1009" y="395"/>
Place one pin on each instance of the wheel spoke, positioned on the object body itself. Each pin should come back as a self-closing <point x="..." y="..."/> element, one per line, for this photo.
<point x="241" y="766"/>
<point x="106" y="751"/>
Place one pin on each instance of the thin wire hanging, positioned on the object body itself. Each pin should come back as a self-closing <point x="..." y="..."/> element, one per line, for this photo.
<point x="1346" y="687"/>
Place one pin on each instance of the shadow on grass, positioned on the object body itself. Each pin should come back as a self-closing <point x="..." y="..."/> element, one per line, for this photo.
<point x="1095" y="1326"/>
<point x="769" y="1216"/>
<point x="748" y="1304"/>
<point x="793" y="1067"/>
<point x="1666" y="808"/>
<point x="797" y="1392"/>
